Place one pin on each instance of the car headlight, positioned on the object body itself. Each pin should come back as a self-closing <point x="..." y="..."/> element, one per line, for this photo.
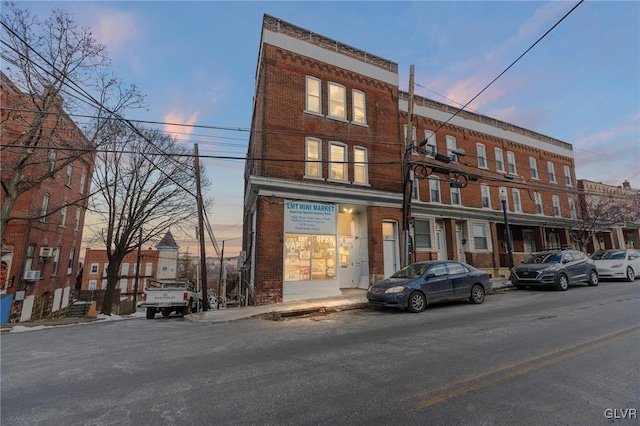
<point x="396" y="289"/>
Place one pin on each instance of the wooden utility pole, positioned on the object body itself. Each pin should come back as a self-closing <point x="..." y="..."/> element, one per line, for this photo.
<point x="407" y="184"/>
<point x="203" y="252"/>
<point x="135" y="283"/>
<point x="220" y="287"/>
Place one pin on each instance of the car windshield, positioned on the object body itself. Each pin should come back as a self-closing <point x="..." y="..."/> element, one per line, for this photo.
<point x="609" y="255"/>
<point x="411" y="271"/>
<point x="554" y="257"/>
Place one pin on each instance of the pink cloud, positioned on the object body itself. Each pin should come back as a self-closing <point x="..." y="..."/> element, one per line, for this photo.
<point x="177" y="124"/>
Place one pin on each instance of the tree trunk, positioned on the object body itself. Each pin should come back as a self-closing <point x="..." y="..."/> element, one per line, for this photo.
<point x="112" y="281"/>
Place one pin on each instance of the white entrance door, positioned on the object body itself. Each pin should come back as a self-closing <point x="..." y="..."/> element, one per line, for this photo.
<point x="390" y="248"/>
<point x="459" y="245"/>
<point x="346" y="261"/>
<point x="441" y="244"/>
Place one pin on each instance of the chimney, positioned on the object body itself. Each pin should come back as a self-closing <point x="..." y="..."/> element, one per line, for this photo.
<point x="626" y="184"/>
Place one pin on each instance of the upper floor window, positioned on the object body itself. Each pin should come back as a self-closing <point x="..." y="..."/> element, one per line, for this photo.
<point x="313" y="158"/>
<point x="45" y="206"/>
<point x="480" y="239"/>
<point x="552" y="172"/>
<point x="499" y="160"/>
<point x="360" y="174"/>
<point x="556" y="205"/>
<point x="72" y="255"/>
<point x="338" y="161"/>
<point x="125" y="269"/>
<point x="52" y="160"/>
<point x="359" y="107"/>
<point x="451" y="147"/>
<point x="63" y="216"/>
<point x="431" y="146"/>
<point x="455" y="196"/>
<point x="76" y="223"/>
<point x="314" y="95"/>
<point x="434" y="189"/>
<point x="69" y="172"/>
<point x="482" y="156"/>
<point x="94" y="268"/>
<point x="511" y="163"/>
<point x="415" y="189"/>
<point x="567" y="176"/>
<point x="485" y="194"/>
<point x="572" y="209"/>
<point x="56" y="261"/>
<point x="538" y="200"/>
<point x="83" y="179"/>
<point x="533" y="165"/>
<point x="517" y="203"/>
<point x="337" y="101"/>
<point x="410" y="142"/>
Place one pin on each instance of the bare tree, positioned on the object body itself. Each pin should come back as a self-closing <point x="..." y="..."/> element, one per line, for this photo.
<point x="147" y="183"/>
<point x="55" y="70"/>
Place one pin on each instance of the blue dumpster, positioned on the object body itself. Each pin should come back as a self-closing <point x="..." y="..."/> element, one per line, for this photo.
<point x="5" y="307"/>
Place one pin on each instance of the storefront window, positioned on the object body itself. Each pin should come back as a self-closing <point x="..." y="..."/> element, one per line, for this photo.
<point x="310" y="257"/>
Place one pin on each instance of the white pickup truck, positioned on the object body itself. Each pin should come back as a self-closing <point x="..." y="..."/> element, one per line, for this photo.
<point x="169" y="296"/>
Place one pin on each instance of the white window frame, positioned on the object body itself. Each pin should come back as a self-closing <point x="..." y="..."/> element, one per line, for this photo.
<point x="452" y="145"/>
<point x="56" y="261"/>
<point x="63" y="217"/>
<point x="453" y="191"/>
<point x="148" y="269"/>
<point x="557" y="212"/>
<point x="538" y="203"/>
<point x="93" y="284"/>
<point x="415" y="187"/>
<point x="552" y="172"/>
<point x="358" y="110"/>
<point x="434" y="186"/>
<point x="83" y="179"/>
<point x="428" y="245"/>
<point x="567" y="176"/>
<point x="431" y="146"/>
<point x="484" y="236"/>
<point x="76" y="224"/>
<point x="572" y="208"/>
<point x="309" y="160"/>
<point x="533" y="167"/>
<point x="313" y="96"/>
<point x="360" y="165"/>
<point x="338" y="162"/>
<point x="124" y="269"/>
<point x="94" y="268"/>
<point x="52" y="160"/>
<point x="72" y="255"/>
<point x="69" y="174"/>
<point x="45" y="206"/>
<point x="485" y="195"/>
<point x="334" y="102"/>
<point x="511" y="163"/>
<point x="499" y="154"/>
<point x="482" y="156"/>
<point x="517" y="201"/>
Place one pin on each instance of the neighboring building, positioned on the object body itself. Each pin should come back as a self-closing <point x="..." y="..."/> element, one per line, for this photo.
<point x="159" y="264"/>
<point x="610" y="215"/>
<point x="42" y="255"/>
<point x="324" y="183"/>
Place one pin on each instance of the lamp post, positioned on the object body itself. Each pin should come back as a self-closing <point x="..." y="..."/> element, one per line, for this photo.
<point x="503" y="200"/>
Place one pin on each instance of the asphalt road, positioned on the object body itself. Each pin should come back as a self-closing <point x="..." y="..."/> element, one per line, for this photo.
<point x="521" y="358"/>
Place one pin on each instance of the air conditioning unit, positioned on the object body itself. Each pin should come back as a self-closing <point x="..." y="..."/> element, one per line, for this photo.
<point x="47" y="251"/>
<point x="31" y="275"/>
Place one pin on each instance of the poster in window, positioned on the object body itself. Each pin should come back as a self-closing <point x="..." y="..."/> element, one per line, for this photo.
<point x="297" y="257"/>
<point x="323" y="264"/>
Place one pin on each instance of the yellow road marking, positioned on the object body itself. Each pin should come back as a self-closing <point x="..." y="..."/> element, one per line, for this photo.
<point x="587" y="346"/>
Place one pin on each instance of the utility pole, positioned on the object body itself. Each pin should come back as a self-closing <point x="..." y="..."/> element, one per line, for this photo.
<point x="203" y="253"/>
<point x="220" y="279"/>
<point x="407" y="184"/>
<point x="135" y="283"/>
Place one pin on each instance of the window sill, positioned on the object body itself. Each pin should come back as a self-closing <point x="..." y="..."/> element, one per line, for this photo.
<point x="360" y="124"/>
<point x="318" y="178"/>
<point x="343" y="120"/>
<point x="338" y="181"/>
<point x="362" y="184"/>
<point x="317" y="114"/>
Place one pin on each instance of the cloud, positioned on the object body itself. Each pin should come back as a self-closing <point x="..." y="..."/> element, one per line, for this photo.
<point x="175" y="124"/>
<point x="116" y="30"/>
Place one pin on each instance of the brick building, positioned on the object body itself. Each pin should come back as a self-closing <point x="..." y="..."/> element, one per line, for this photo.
<point x="42" y="254"/>
<point x="329" y="164"/>
<point x="158" y="264"/>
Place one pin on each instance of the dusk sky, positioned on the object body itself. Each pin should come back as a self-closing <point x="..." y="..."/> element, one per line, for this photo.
<point x="196" y="63"/>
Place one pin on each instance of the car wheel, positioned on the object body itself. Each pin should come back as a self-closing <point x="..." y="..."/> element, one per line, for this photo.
<point x="151" y="313"/>
<point x="593" y="278"/>
<point x="166" y="312"/>
<point x="562" y="283"/>
<point x="630" y="274"/>
<point x="417" y="302"/>
<point x="477" y="294"/>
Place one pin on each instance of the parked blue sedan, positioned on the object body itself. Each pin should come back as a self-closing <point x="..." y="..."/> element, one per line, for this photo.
<point x="420" y="284"/>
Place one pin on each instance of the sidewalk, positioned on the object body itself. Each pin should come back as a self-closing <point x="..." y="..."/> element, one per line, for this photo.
<point x="350" y="299"/>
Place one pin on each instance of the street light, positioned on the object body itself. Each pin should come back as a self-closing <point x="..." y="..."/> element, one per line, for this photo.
<point x="503" y="200"/>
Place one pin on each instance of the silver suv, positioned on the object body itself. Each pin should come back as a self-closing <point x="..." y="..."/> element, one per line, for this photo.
<point x="555" y="268"/>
